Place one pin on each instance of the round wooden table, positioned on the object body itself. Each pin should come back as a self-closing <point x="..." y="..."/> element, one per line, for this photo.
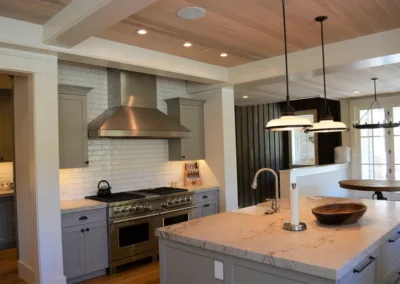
<point x="377" y="186"/>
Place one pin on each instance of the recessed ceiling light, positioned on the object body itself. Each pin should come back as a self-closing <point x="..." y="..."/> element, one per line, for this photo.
<point x="245" y="97"/>
<point x="191" y="13"/>
<point x="356" y="92"/>
<point x="187" y="44"/>
<point x="142" y="32"/>
<point x="224" y="54"/>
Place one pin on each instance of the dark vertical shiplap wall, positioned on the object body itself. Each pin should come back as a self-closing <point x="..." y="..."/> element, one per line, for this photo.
<point x="257" y="148"/>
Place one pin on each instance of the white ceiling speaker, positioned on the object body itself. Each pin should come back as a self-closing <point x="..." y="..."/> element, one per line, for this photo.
<point x="191" y="13"/>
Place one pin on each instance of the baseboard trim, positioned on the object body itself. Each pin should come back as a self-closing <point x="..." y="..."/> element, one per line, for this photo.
<point x="25" y="272"/>
<point x="87" y="276"/>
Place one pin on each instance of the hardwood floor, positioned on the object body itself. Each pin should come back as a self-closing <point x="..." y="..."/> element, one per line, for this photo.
<point x="9" y="267"/>
<point x="144" y="274"/>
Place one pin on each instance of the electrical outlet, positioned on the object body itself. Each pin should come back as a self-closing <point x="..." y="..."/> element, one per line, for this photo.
<point x="218" y="270"/>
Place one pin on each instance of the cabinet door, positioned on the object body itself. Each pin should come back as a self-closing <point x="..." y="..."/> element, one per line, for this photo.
<point x="198" y="211"/>
<point x="210" y="208"/>
<point x="6" y="128"/>
<point x="4" y="236"/>
<point x="11" y="221"/>
<point x="96" y="246"/>
<point x="74" y="251"/>
<point x="73" y="139"/>
<point x="192" y="118"/>
<point x="364" y="273"/>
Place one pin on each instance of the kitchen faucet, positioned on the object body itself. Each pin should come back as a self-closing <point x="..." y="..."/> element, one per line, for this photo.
<point x="275" y="202"/>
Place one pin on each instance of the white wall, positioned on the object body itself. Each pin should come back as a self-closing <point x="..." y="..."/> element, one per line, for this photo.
<point x="36" y="161"/>
<point x="316" y="180"/>
<point x="220" y="143"/>
<point x="128" y="164"/>
<point x="6" y="172"/>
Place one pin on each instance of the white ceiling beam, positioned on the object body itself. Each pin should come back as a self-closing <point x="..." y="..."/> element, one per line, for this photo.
<point x="359" y="53"/>
<point x="27" y="36"/>
<point x="81" y="20"/>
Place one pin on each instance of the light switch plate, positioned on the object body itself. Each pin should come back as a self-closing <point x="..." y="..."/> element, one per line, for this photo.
<point x="218" y="270"/>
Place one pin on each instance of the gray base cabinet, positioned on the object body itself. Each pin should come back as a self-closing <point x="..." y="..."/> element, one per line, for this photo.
<point x="85" y="244"/>
<point x="177" y="259"/>
<point x="206" y="203"/>
<point x="7" y="223"/>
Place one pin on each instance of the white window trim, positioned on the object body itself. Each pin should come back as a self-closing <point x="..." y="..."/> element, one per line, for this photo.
<point x="386" y="101"/>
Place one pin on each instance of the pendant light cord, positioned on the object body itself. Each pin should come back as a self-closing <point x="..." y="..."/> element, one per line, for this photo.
<point x="286" y="58"/>
<point x="374" y="79"/>
<point x="323" y="65"/>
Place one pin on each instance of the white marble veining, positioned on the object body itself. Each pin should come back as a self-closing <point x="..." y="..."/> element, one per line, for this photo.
<point x="200" y="188"/>
<point x="79" y="205"/>
<point x="324" y="251"/>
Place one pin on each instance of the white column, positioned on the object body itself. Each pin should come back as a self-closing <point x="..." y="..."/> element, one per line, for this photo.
<point x="36" y="165"/>
<point x="220" y="142"/>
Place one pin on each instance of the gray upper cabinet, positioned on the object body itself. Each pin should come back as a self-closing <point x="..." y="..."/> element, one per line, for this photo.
<point x="190" y="113"/>
<point x="73" y="134"/>
<point x="6" y="126"/>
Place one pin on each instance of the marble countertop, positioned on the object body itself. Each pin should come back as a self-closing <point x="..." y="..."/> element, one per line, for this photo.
<point x="6" y="193"/>
<point x="325" y="251"/>
<point x="79" y="205"/>
<point x="200" y="188"/>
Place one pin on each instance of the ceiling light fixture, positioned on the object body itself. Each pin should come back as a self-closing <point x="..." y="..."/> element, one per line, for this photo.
<point x="288" y="120"/>
<point x="187" y="44"/>
<point x="141" y="32"/>
<point x="191" y="13"/>
<point x="326" y="123"/>
<point x="245" y="97"/>
<point x="385" y="124"/>
<point x="224" y="54"/>
<point x="356" y="92"/>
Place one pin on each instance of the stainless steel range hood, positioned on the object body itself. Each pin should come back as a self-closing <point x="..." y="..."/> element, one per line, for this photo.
<point x="133" y="113"/>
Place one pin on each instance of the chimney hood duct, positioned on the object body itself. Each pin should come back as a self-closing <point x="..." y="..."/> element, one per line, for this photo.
<point x="132" y="112"/>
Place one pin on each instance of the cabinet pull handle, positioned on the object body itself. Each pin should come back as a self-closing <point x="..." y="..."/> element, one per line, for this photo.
<point x="205" y="196"/>
<point x="207" y="205"/>
<point x="87" y="229"/>
<point x="83" y="218"/>
<point x="365" y="265"/>
<point x="183" y="157"/>
<point x="395" y="239"/>
<point x="82" y="230"/>
<point x="1" y="158"/>
<point x="87" y="162"/>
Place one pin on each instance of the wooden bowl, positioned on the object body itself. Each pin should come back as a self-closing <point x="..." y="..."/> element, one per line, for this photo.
<point x="339" y="214"/>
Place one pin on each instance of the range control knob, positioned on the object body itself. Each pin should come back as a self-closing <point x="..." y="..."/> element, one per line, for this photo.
<point x="117" y="210"/>
<point x="140" y="207"/>
<point x="169" y="202"/>
<point x="131" y="208"/>
<point x="124" y="210"/>
<point x="164" y="205"/>
<point x="135" y="208"/>
<point x="149" y="207"/>
<point x="176" y="201"/>
<point x="188" y="198"/>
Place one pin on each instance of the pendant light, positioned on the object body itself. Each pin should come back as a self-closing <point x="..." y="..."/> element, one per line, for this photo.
<point x="385" y="124"/>
<point x="288" y="120"/>
<point x="326" y="123"/>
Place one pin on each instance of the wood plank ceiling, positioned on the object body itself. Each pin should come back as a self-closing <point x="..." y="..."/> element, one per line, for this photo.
<point x="247" y="30"/>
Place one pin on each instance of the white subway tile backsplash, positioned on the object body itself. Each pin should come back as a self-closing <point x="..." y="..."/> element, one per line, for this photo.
<point x="128" y="164"/>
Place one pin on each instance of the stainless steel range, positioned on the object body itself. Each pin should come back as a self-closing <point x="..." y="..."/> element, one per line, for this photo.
<point x="134" y="216"/>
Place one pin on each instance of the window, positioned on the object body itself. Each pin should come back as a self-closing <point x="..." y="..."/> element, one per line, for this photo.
<point x="379" y="148"/>
<point x="304" y="145"/>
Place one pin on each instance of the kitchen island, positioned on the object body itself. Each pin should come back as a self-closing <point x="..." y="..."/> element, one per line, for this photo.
<point x="249" y="247"/>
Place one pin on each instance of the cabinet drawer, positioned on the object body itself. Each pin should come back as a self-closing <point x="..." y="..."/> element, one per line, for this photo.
<point x="84" y="217"/>
<point x="393" y="277"/>
<point x="366" y="272"/>
<point x="206" y="196"/>
<point x="390" y="252"/>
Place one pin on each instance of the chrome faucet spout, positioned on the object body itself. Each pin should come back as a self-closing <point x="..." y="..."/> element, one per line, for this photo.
<point x="275" y="204"/>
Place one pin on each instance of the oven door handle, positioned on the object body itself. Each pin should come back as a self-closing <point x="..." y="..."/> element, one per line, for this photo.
<point x="134" y="218"/>
<point x="177" y="210"/>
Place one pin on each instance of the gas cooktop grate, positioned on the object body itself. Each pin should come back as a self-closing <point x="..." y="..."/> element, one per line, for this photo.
<point x="162" y="190"/>
<point x="115" y="197"/>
